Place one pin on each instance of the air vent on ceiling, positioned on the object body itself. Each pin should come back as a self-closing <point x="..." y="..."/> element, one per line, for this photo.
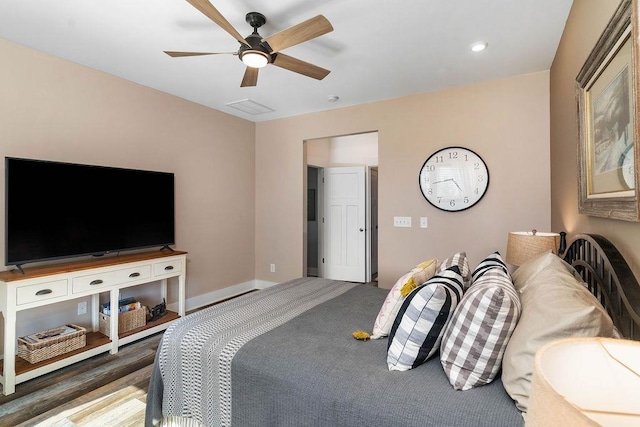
<point x="250" y="107"/>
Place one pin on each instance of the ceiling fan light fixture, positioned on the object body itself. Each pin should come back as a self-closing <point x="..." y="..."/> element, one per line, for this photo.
<point x="479" y="46"/>
<point x="254" y="58"/>
<point x="256" y="52"/>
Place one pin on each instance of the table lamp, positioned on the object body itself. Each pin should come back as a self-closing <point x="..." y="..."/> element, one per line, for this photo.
<point x="586" y="382"/>
<point x="524" y="245"/>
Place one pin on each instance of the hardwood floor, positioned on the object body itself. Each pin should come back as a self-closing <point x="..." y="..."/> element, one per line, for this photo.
<point x="105" y="390"/>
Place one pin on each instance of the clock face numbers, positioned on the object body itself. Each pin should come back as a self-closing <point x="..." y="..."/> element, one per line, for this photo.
<point x="454" y="179"/>
<point x="627" y="170"/>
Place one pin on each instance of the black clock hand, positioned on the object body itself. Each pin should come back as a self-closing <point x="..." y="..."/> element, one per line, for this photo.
<point x="448" y="180"/>
<point x="444" y="180"/>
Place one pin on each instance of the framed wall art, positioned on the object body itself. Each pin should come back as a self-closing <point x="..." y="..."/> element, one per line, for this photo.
<point x="607" y="103"/>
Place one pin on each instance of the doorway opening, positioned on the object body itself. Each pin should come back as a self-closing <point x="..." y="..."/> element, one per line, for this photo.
<point x="341" y="207"/>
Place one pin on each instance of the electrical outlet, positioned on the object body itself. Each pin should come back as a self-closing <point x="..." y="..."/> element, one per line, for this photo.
<point x="272" y="268"/>
<point x="423" y="222"/>
<point x="82" y="308"/>
<point x="402" y="221"/>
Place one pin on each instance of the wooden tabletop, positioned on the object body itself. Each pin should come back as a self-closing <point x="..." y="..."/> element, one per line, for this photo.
<point x="103" y="261"/>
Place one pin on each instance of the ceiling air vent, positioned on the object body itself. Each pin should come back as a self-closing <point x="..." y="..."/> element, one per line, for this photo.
<point x="250" y="107"/>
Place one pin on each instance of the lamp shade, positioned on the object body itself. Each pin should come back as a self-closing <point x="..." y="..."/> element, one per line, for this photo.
<point x="586" y="382"/>
<point x="524" y="245"/>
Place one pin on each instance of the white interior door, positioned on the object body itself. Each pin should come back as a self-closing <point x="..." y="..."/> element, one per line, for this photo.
<point x="344" y="224"/>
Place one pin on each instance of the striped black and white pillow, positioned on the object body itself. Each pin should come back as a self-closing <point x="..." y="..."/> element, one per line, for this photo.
<point x="490" y="262"/>
<point x="481" y="326"/>
<point x="459" y="260"/>
<point x="417" y="330"/>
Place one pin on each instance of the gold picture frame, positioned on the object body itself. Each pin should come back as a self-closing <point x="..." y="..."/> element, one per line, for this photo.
<point x="608" y="135"/>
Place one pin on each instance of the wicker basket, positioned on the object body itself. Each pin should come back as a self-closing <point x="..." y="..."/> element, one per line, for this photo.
<point x="127" y="321"/>
<point x="52" y="347"/>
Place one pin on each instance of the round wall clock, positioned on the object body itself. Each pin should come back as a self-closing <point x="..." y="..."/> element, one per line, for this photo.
<point x="454" y="179"/>
<point x="627" y="168"/>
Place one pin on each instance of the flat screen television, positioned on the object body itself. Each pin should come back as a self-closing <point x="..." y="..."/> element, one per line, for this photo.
<point x="60" y="210"/>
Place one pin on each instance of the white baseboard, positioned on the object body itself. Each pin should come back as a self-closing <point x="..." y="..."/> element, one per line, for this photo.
<point x="263" y="284"/>
<point x="221" y="294"/>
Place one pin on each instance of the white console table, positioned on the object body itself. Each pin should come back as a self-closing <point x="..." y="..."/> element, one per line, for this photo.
<point x="40" y="286"/>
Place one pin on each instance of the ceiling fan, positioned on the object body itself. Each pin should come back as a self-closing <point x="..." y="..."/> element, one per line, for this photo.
<point x="256" y="52"/>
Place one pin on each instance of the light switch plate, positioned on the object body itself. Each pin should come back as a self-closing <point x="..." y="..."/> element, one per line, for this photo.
<point x="402" y="221"/>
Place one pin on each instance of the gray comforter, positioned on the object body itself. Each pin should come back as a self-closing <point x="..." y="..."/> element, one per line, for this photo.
<point x="310" y="371"/>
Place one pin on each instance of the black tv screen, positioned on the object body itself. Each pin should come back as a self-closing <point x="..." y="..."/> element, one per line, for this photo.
<point x="57" y="210"/>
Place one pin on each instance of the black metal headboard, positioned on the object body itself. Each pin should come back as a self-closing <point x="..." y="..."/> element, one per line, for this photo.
<point x="609" y="278"/>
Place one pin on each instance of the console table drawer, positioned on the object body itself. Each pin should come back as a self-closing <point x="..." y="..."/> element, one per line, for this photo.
<point x="41" y="291"/>
<point x="167" y="267"/>
<point x="110" y="278"/>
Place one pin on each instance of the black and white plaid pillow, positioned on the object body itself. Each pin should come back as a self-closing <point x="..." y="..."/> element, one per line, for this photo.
<point x="481" y="326"/>
<point x="417" y="330"/>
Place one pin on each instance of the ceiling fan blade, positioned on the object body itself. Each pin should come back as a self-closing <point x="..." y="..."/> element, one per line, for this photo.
<point x="250" y="77"/>
<point x="175" y="54"/>
<point x="297" y="66"/>
<point x="304" y="31"/>
<point x="212" y="13"/>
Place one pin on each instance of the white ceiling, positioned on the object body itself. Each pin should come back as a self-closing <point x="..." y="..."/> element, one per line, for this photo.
<point x="379" y="49"/>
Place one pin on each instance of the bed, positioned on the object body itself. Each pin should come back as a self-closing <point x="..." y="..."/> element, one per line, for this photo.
<point x="286" y="355"/>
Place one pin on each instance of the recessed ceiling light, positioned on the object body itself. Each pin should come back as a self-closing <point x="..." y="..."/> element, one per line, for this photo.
<point x="479" y="46"/>
<point x="333" y="98"/>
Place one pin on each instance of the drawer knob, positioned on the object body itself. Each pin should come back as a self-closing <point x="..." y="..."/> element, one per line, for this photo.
<point x="96" y="282"/>
<point x="169" y="267"/>
<point x="44" y="292"/>
<point x="136" y="274"/>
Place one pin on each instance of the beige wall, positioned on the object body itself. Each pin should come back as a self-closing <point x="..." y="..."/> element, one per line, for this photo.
<point x="56" y="110"/>
<point x="505" y="121"/>
<point x="348" y="150"/>
<point x="318" y="152"/>
<point x="586" y="22"/>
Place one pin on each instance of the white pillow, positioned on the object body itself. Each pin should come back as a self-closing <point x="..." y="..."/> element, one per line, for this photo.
<point x="414" y="278"/>
<point x="554" y="305"/>
<point x="535" y="265"/>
